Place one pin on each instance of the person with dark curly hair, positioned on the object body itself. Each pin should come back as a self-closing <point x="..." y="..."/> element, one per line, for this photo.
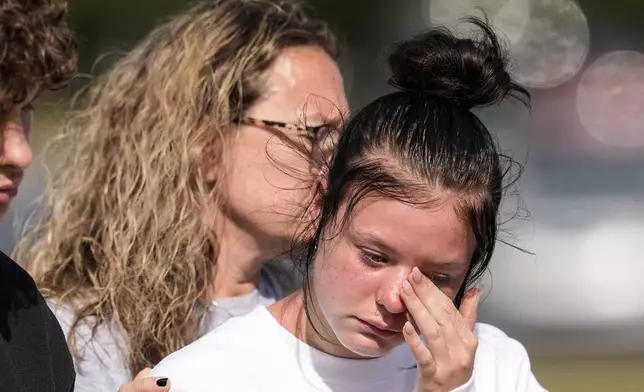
<point x="37" y="52"/>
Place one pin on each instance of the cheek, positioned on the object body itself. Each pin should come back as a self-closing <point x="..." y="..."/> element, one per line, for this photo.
<point x="341" y="278"/>
<point x="245" y="186"/>
<point x="267" y="175"/>
<point x="287" y="177"/>
<point x="288" y="160"/>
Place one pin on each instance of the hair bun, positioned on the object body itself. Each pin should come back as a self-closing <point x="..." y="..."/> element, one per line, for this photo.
<point x="466" y="72"/>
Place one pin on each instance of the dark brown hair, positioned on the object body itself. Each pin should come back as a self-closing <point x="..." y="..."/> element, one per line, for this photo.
<point x="423" y="144"/>
<point x="37" y="49"/>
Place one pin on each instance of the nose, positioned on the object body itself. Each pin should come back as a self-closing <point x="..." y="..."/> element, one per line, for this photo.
<point x="14" y="145"/>
<point x="389" y="293"/>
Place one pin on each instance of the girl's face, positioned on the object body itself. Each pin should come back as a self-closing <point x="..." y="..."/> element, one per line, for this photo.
<point x="358" y="272"/>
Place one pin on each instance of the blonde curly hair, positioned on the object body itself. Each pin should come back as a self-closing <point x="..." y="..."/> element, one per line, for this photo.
<point x="126" y="231"/>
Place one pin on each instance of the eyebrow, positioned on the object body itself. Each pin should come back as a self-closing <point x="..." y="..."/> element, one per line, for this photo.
<point x="375" y="239"/>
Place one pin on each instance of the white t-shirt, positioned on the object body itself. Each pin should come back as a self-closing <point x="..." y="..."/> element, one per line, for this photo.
<point x="103" y="366"/>
<point x="255" y="353"/>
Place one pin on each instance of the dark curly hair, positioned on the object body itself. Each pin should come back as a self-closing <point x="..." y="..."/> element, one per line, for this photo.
<point x="37" y="49"/>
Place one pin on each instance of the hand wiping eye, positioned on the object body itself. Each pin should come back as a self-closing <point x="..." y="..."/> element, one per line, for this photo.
<point x="445" y="358"/>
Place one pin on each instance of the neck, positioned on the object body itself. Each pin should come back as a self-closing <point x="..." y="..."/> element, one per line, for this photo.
<point x="238" y="262"/>
<point x="312" y="330"/>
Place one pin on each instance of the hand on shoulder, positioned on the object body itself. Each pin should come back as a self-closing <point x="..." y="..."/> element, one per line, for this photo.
<point x="143" y="383"/>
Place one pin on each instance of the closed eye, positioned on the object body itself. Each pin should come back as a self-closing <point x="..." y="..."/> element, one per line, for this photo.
<point x="439" y="280"/>
<point x="324" y="130"/>
<point x="372" y="258"/>
<point x="319" y="135"/>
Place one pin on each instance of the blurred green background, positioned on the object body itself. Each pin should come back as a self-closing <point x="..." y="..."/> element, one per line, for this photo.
<point x="573" y="182"/>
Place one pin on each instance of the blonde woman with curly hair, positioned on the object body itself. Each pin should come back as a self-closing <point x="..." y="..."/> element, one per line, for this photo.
<point x="185" y="173"/>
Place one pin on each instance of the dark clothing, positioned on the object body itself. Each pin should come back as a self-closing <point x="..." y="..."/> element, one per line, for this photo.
<point x="34" y="356"/>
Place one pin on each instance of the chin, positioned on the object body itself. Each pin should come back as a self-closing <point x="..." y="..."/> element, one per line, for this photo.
<point x="367" y="346"/>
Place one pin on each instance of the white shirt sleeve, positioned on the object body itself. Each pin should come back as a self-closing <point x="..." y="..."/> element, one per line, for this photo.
<point x="469" y="386"/>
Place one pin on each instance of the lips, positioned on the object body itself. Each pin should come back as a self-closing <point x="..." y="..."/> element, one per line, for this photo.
<point x="7" y="193"/>
<point x="380" y="329"/>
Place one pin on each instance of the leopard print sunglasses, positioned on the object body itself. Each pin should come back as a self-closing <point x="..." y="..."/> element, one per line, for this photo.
<point x="316" y="135"/>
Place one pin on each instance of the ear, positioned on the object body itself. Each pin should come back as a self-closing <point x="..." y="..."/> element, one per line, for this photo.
<point x="214" y="155"/>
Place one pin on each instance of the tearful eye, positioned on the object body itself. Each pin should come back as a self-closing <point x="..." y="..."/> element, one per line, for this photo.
<point x="373" y="258"/>
<point x="324" y="131"/>
<point x="326" y="137"/>
<point x="439" y="280"/>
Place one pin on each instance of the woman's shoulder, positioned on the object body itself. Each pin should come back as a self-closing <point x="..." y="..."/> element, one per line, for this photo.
<point x="100" y="351"/>
<point x="32" y="345"/>
<point x="86" y="331"/>
<point x="63" y="311"/>
<point x="66" y="313"/>
<point x="236" y="334"/>
<point x="226" y="351"/>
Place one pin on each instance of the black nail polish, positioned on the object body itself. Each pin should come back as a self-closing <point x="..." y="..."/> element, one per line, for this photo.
<point x="162" y="382"/>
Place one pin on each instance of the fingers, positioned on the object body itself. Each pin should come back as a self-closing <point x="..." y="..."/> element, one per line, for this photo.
<point x="142" y="374"/>
<point x="436" y="302"/>
<point x="421" y="353"/>
<point x="470" y="306"/>
<point x="445" y="354"/>
<point x="469" y="310"/>
<point x="142" y="383"/>
<point x="447" y="331"/>
<point x="427" y="325"/>
<point x="438" y="305"/>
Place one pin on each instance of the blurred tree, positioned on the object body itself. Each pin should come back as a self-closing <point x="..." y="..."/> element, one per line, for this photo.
<point x="115" y="25"/>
